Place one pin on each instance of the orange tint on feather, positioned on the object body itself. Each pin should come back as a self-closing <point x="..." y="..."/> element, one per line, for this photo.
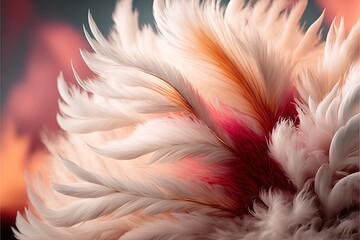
<point x="245" y="81"/>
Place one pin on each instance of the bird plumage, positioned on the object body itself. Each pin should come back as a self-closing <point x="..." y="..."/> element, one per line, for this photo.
<point x="226" y="123"/>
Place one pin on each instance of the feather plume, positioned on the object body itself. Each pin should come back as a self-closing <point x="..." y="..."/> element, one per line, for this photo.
<point x="228" y="122"/>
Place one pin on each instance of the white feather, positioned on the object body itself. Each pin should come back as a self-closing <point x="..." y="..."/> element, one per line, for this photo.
<point x="169" y="103"/>
<point x="344" y="194"/>
<point x="171" y="131"/>
<point x="344" y="148"/>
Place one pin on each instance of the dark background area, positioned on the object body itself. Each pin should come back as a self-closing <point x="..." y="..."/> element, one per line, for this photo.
<point x="20" y="17"/>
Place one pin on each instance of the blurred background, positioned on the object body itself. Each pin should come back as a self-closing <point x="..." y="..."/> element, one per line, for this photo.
<point x="38" y="39"/>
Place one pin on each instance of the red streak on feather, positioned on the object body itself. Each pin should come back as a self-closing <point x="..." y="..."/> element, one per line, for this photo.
<point x="287" y="109"/>
<point x="252" y="170"/>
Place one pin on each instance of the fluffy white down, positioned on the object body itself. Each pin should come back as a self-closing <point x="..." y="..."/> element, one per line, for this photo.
<point x="119" y="169"/>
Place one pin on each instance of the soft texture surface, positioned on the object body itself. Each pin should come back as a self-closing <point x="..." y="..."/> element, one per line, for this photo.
<point x="228" y="122"/>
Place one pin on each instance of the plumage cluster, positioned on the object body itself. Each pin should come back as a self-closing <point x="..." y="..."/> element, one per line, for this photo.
<point x="227" y="122"/>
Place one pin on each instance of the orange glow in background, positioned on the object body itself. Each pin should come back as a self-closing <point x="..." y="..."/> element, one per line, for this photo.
<point x="31" y="103"/>
<point x="349" y="9"/>
<point x="17" y="156"/>
<point x="32" y="106"/>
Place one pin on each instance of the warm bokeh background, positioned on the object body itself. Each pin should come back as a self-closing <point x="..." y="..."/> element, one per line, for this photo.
<point x="38" y="39"/>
